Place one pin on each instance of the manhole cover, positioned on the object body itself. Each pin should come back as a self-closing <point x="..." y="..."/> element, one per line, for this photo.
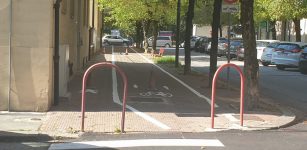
<point x="146" y="100"/>
<point x="249" y="117"/>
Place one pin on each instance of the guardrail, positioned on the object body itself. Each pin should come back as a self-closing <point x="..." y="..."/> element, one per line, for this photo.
<point x="85" y="76"/>
<point x="214" y="88"/>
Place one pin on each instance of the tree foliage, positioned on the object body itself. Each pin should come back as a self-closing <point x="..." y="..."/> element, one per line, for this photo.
<point x="124" y="14"/>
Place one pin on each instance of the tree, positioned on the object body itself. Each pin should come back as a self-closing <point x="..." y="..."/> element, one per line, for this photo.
<point x="214" y="42"/>
<point x="187" y="44"/>
<point x="251" y="66"/>
<point x="283" y="10"/>
<point x="147" y="13"/>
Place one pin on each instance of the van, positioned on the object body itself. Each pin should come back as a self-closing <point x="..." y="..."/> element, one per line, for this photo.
<point x="162" y="41"/>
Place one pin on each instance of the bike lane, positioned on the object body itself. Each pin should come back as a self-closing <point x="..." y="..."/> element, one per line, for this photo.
<point x="161" y="96"/>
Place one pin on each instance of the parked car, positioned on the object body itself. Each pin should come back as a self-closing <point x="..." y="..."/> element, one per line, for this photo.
<point x="240" y="53"/>
<point x="193" y="41"/>
<point x="201" y="44"/>
<point x="222" y="47"/>
<point x="261" y="44"/>
<point x="288" y="54"/>
<point x="162" y="41"/>
<point x="266" y="56"/>
<point x="235" y="45"/>
<point x="303" y="61"/>
<point x="114" y="40"/>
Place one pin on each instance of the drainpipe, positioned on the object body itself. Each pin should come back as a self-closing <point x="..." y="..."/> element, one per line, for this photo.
<point x="10" y="56"/>
<point x="56" y="56"/>
<point x="79" y="34"/>
<point x="91" y="34"/>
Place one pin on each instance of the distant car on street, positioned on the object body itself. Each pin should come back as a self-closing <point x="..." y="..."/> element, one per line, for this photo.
<point x="193" y="41"/>
<point x="303" y="61"/>
<point x="162" y="41"/>
<point x="261" y="45"/>
<point x="288" y="55"/>
<point x="115" y="40"/>
<point x="201" y="44"/>
<point x="266" y="56"/>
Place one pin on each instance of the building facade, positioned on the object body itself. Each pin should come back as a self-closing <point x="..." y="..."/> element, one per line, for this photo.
<point x="27" y="37"/>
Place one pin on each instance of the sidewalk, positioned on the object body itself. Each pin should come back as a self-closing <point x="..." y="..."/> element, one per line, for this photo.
<point x="65" y="121"/>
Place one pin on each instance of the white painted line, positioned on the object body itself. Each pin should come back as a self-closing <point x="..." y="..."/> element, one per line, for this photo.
<point x="184" y="84"/>
<point x="117" y="101"/>
<point x="230" y="117"/>
<point x="166" y="87"/>
<point x="138" y="143"/>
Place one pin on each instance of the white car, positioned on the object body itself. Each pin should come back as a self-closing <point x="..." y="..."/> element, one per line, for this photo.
<point x="193" y="41"/>
<point x="115" y="40"/>
<point x="288" y="54"/>
<point x="162" y="41"/>
<point x="261" y="45"/>
<point x="266" y="57"/>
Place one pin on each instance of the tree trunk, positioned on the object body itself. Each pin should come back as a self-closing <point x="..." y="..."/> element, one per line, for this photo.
<point x="274" y="36"/>
<point x="297" y="26"/>
<point x="146" y="24"/>
<point x="214" y="40"/>
<point x="155" y="34"/>
<point x="251" y="67"/>
<point x="187" y="44"/>
<point x="283" y="30"/>
<point x="138" y="38"/>
<point x="221" y="30"/>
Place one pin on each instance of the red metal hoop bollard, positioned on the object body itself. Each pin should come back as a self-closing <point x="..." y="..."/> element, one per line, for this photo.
<point x="214" y="87"/>
<point x="85" y="76"/>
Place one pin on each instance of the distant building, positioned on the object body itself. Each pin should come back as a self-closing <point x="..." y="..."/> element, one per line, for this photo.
<point x="27" y="49"/>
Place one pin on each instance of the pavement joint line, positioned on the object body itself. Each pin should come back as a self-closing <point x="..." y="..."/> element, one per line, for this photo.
<point x="230" y="117"/>
<point x="139" y="113"/>
<point x="184" y="84"/>
<point x="139" y="143"/>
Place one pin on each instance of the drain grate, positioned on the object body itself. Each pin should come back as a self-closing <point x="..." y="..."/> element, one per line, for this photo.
<point x="146" y="100"/>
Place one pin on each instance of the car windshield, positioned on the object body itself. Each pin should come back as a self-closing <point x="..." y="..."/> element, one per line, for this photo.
<point x="163" y="38"/>
<point x="288" y="46"/>
<point x="236" y="43"/>
<point x="262" y="44"/>
<point x="272" y="45"/>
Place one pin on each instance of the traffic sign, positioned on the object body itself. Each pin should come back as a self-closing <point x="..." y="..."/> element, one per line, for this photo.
<point x="230" y="8"/>
<point x="230" y="1"/>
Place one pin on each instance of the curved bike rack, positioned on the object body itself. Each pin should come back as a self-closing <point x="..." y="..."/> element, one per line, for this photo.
<point x="214" y="87"/>
<point x="85" y="76"/>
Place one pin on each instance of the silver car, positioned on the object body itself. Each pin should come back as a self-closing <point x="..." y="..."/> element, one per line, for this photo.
<point x="266" y="56"/>
<point x="162" y="41"/>
<point x="288" y="54"/>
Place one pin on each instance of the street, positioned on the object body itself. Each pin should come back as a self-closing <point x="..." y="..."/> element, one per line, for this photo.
<point x="154" y="95"/>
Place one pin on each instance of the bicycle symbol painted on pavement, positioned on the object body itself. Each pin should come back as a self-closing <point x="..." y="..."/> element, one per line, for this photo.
<point x="152" y="93"/>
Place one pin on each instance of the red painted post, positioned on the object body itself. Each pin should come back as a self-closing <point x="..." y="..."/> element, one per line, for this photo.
<point x="214" y="88"/>
<point x="85" y="76"/>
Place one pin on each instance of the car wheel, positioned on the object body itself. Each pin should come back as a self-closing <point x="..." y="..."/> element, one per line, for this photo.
<point x="280" y="67"/>
<point x="167" y="46"/>
<point x="265" y="63"/>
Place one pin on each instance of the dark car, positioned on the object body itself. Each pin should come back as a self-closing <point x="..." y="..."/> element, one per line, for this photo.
<point x="201" y="44"/>
<point x="303" y="61"/>
<point x="235" y="45"/>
